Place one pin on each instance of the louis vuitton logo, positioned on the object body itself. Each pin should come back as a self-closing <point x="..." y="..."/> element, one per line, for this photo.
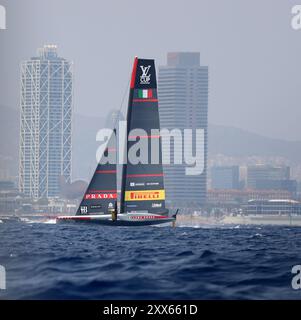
<point x="145" y="77"/>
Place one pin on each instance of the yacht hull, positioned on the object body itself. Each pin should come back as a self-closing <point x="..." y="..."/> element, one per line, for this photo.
<point x="123" y="219"/>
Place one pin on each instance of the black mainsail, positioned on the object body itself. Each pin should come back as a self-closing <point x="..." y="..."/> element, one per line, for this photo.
<point x="101" y="194"/>
<point x="142" y="187"/>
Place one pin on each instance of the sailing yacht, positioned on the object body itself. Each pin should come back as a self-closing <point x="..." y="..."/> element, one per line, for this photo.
<point x="142" y="198"/>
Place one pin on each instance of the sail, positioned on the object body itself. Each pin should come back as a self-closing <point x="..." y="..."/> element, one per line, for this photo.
<point x="101" y="193"/>
<point x="142" y="183"/>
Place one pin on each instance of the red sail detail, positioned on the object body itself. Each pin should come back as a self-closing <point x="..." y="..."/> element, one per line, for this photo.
<point x="145" y="175"/>
<point x="134" y="73"/>
<point x="145" y="100"/>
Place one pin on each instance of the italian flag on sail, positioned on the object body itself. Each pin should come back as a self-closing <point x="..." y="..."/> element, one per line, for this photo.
<point x="145" y="93"/>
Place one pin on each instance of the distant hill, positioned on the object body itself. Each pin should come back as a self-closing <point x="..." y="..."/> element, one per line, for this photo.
<point x="238" y="142"/>
<point x="222" y="140"/>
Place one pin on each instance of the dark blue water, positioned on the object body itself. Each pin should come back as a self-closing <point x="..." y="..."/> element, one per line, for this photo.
<point x="48" y="261"/>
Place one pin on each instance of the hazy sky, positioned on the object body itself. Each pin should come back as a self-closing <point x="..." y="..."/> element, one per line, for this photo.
<point x="253" y="54"/>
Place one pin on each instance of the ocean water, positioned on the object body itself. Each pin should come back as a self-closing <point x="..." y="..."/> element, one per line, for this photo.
<point x="77" y="261"/>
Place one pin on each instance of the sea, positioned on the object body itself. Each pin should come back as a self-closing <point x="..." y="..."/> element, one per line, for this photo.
<point x="79" y="261"/>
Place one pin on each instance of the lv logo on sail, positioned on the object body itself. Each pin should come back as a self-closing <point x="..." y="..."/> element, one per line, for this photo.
<point x="145" y="77"/>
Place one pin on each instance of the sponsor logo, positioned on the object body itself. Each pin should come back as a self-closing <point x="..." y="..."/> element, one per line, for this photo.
<point x="145" y="77"/>
<point x="83" y="209"/>
<point x="2" y="278"/>
<point x="95" y="206"/>
<point x="2" y="18"/>
<point x="145" y="195"/>
<point x="156" y="205"/>
<point x="147" y="217"/>
<point x="152" y="183"/>
<point x="131" y="206"/>
<point x="91" y="196"/>
<point x="137" y="184"/>
<point x="110" y="205"/>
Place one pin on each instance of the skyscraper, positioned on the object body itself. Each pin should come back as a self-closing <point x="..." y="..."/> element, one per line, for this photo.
<point x="183" y="104"/>
<point x="45" y="123"/>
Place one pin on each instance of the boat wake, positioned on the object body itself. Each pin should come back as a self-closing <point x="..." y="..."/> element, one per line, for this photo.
<point x="50" y="221"/>
<point x="41" y="221"/>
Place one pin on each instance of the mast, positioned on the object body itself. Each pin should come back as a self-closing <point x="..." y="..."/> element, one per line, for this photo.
<point x="142" y="187"/>
<point x="128" y="119"/>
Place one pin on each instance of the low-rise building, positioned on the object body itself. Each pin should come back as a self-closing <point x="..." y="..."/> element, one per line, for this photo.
<point x="240" y="197"/>
<point x="273" y="207"/>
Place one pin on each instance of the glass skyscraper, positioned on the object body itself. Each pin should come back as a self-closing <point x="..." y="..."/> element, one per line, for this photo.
<point x="45" y="124"/>
<point x="183" y="104"/>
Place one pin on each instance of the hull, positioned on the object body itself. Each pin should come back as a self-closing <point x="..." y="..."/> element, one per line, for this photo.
<point x="123" y="219"/>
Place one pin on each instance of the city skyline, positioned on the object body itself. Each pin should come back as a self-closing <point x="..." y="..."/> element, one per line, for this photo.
<point x="253" y="62"/>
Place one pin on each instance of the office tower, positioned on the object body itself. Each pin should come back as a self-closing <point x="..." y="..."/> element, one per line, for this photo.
<point x="265" y="177"/>
<point x="183" y="104"/>
<point x="225" y="177"/>
<point x="45" y="123"/>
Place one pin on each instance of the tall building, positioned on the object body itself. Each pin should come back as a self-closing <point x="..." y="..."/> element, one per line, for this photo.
<point x="183" y="104"/>
<point x="225" y="177"/>
<point x="45" y="123"/>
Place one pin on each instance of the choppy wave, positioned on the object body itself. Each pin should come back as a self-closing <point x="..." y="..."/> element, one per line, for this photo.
<point x="49" y="261"/>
